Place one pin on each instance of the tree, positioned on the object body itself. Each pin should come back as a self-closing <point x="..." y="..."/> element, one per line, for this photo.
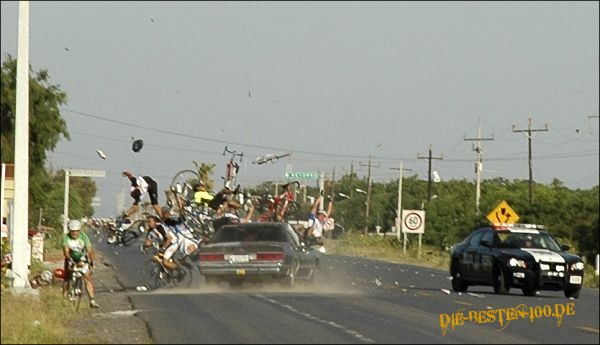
<point x="46" y="126"/>
<point x="46" y="129"/>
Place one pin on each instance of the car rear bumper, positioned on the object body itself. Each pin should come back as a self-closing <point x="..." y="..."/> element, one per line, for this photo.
<point x="251" y="269"/>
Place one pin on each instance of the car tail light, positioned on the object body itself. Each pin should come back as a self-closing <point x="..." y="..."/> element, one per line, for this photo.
<point x="211" y="257"/>
<point x="270" y="256"/>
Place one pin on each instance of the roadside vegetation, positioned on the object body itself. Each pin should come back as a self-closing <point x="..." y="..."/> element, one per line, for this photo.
<point x="42" y="318"/>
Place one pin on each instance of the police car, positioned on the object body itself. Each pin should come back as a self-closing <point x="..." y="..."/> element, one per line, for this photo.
<point x="519" y="255"/>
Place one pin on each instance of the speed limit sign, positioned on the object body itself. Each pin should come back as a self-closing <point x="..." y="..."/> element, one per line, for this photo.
<point x="413" y="221"/>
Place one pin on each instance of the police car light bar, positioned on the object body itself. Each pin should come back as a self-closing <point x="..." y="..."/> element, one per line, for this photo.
<point x="505" y="226"/>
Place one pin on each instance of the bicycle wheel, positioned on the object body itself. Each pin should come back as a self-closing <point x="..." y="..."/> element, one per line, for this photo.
<point x="152" y="274"/>
<point x="192" y="222"/>
<point x="186" y="281"/>
<point x="76" y="292"/>
<point x="129" y="237"/>
<point x="292" y="208"/>
<point x="183" y="184"/>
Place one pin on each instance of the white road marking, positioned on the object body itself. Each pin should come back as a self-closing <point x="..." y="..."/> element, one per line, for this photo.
<point x="316" y="319"/>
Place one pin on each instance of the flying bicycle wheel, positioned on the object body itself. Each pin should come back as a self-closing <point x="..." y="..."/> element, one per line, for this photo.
<point x="183" y="184"/>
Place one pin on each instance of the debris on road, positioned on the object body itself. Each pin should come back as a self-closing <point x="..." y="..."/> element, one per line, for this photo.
<point x="446" y="291"/>
<point x="476" y="295"/>
<point x="378" y="282"/>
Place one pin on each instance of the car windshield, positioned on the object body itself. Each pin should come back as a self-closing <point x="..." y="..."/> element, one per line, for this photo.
<point x="527" y="240"/>
<point x="233" y="233"/>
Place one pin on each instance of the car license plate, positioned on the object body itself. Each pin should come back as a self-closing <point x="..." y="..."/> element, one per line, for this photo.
<point x="239" y="258"/>
<point x="240" y="272"/>
<point x="575" y="280"/>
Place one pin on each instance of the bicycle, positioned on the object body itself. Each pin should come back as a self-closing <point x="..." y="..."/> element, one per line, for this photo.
<point x="280" y="207"/>
<point x="126" y="235"/>
<point x="75" y="292"/>
<point x="232" y="167"/>
<point x="155" y="275"/>
<point x="183" y="184"/>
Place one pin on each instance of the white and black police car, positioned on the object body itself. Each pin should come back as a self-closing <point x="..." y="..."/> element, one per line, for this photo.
<point x="518" y="255"/>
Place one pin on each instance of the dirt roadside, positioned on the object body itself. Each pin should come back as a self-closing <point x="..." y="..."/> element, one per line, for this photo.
<point x="115" y="321"/>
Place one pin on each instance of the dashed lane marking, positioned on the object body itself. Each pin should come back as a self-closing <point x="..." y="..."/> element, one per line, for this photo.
<point x="352" y="332"/>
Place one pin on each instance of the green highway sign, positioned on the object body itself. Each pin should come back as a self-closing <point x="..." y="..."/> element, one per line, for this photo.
<point x="302" y="175"/>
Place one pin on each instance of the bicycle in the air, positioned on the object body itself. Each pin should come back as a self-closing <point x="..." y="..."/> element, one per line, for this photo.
<point x="181" y="199"/>
<point x="232" y="168"/>
<point x="281" y="207"/>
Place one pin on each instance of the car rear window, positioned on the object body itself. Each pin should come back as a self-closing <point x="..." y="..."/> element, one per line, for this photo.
<point x="233" y="233"/>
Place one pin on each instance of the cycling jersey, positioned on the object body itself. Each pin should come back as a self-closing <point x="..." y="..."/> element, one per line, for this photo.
<point x="202" y="196"/>
<point x="79" y="247"/>
<point x="316" y="224"/>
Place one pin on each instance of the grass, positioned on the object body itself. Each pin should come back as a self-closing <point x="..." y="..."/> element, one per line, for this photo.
<point x="42" y="319"/>
<point x="390" y="249"/>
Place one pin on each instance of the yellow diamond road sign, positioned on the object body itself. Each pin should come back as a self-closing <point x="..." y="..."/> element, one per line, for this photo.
<point x="503" y="215"/>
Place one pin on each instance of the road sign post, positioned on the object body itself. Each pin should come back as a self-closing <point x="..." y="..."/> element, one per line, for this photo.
<point x="413" y="222"/>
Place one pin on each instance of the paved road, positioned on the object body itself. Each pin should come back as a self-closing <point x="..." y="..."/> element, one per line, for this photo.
<point x="357" y="300"/>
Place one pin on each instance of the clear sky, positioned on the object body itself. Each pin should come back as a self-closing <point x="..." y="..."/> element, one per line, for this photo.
<point x="334" y="82"/>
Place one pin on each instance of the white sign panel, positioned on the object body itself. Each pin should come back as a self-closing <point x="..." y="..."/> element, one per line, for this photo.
<point x="87" y="173"/>
<point x="413" y="221"/>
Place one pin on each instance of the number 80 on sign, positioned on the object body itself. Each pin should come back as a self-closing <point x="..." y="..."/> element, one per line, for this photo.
<point x="413" y="221"/>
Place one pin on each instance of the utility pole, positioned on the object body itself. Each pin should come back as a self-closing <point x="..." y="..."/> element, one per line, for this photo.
<point x="429" y="182"/>
<point x="399" y="208"/>
<point x="368" y="190"/>
<point x="351" y="178"/>
<point x="333" y="184"/>
<point x="529" y="130"/>
<point x="19" y="244"/>
<point x="478" y="163"/>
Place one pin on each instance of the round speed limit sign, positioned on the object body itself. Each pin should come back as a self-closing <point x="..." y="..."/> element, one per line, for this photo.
<point x="413" y="222"/>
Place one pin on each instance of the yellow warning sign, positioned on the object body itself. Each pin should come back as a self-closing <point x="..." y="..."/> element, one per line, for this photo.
<point x="503" y="214"/>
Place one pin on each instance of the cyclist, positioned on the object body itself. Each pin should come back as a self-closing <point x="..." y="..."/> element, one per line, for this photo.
<point x="202" y="197"/>
<point x="180" y="238"/>
<point x="140" y="187"/>
<point x="77" y="249"/>
<point x="222" y="197"/>
<point x="316" y="220"/>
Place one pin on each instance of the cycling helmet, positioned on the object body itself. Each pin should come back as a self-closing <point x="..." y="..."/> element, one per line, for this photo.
<point x="74" y="225"/>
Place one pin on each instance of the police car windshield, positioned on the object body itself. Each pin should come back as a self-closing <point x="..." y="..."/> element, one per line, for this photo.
<point x="527" y="240"/>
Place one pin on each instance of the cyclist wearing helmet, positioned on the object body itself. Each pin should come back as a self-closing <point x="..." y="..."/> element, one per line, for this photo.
<point x="140" y="187"/>
<point x="77" y="248"/>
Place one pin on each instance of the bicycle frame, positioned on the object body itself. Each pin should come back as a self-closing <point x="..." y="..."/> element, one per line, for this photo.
<point x="232" y="167"/>
<point x="282" y="205"/>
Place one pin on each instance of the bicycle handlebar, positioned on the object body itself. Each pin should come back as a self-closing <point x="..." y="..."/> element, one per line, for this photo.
<point x="234" y="153"/>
